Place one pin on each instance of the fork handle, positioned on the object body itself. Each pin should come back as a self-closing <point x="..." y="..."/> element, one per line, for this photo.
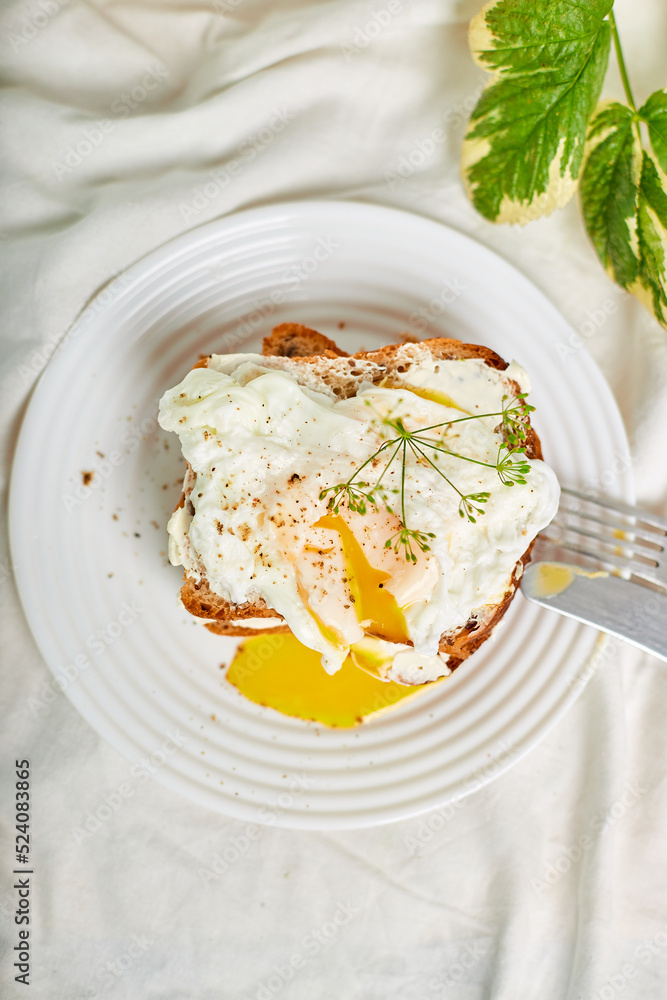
<point x="614" y="605"/>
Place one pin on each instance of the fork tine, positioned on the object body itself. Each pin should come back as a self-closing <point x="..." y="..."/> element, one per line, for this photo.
<point x="622" y="548"/>
<point x="593" y="532"/>
<point x="657" y="524"/>
<point x="618" y="564"/>
<point x="638" y="535"/>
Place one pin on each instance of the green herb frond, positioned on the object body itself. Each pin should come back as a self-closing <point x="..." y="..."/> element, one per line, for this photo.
<point x="512" y="467"/>
<point x="468" y="506"/>
<point x="514" y="418"/>
<point x="358" y="495"/>
<point x="404" y="538"/>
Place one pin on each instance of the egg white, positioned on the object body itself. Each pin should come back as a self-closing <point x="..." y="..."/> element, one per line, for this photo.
<point x="262" y="447"/>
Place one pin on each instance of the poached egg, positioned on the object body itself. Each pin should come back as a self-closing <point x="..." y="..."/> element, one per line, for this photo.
<point x="262" y="446"/>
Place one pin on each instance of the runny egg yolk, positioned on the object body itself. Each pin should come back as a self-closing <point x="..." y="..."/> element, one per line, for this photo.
<point x="279" y="672"/>
<point x="330" y="634"/>
<point x="376" y="607"/>
<point x="437" y="397"/>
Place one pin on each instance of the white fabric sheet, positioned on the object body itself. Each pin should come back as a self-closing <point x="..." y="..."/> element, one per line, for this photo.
<point x="158" y="96"/>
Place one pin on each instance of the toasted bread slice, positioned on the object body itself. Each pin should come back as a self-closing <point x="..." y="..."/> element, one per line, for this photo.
<point x="316" y="362"/>
<point x="289" y="340"/>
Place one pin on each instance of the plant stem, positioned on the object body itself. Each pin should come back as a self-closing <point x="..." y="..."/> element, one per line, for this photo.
<point x="459" y="420"/>
<point x="405" y="447"/>
<point x="454" y="454"/>
<point x="388" y="464"/>
<point x="621" y="62"/>
<point x="417" y="451"/>
<point x="375" y="454"/>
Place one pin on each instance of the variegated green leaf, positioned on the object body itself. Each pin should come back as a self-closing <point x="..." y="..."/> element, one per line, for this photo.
<point x="654" y="113"/>
<point x="525" y="140"/>
<point x="625" y="206"/>
<point x="609" y="190"/>
<point x="651" y="285"/>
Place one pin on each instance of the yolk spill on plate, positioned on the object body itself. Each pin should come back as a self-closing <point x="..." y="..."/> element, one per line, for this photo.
<point x="374" y="606"/>
<point x="281" y="673"/>
<point x="554" y="578"/>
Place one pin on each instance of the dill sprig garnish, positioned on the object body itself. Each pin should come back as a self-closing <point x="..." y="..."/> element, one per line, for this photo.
<point x="511" y="466"/>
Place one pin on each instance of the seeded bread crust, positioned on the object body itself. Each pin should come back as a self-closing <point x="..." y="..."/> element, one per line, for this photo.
<point x="316" y="361"/>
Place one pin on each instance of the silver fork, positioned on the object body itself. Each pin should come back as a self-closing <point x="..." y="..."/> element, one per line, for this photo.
<point x="619" y="582"/>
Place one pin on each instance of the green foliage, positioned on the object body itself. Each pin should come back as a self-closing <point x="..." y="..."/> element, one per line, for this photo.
<point x="511" y="465"/>
<point x="536" y="130"/>
<point x="525" y="140"/>
<point x="624" y="203"/>
<point x="609" y="188"/>
<point x="651" y="286"/>
<point x="654" y="113"/>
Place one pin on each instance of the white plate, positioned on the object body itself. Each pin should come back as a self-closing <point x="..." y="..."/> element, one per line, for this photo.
<point x="102" y="600"/>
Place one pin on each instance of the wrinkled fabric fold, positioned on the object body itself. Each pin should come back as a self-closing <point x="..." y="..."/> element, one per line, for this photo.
<point x="125" y="126"/>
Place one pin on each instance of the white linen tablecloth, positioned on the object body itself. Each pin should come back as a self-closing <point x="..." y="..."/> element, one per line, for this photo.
<point x="121" y="121"/>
